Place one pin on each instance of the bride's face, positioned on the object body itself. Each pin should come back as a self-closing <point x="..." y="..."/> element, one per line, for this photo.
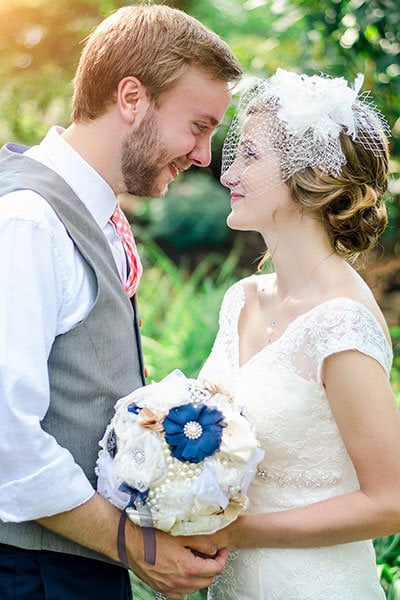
<point x="254" y="179"/>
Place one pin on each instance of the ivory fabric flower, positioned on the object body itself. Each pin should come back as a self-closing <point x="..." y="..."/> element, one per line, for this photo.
<point x="237" y="438"/>
<point x="316" y="103"/>
<point x="182" y="449"/>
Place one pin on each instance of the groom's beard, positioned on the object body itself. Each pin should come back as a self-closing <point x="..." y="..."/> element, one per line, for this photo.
<point x="144" y="158"/>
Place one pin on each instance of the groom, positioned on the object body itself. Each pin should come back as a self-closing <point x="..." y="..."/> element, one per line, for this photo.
<point x="151" y="87"/>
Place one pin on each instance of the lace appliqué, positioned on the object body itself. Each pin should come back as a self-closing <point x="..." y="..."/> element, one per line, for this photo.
<point x="225" y="352"/>
<point x="329" y="573"/>
<point x="335" y="326"/>
<point x="230" y="310"/>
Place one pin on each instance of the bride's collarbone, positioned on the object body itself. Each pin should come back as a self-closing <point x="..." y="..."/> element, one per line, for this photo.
<point x="260" y="324"/>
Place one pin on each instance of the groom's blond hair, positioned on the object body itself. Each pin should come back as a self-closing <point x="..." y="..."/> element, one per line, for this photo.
<point x="154" y="43"/>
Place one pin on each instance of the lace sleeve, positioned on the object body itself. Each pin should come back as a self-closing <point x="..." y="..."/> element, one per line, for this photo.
<point x="343" y="324"/>
<point x="218" y="366"/>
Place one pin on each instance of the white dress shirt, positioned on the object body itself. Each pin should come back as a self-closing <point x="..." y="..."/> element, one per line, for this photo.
<point x="44" y="292"/>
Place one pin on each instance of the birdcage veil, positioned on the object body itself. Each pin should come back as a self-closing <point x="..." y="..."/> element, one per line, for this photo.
<point x="290" y="122"/>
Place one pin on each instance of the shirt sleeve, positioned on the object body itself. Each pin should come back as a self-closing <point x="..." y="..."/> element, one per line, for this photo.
<point x="37" y="476"/>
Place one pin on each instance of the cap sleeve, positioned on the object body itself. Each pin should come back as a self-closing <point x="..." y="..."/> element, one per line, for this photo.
<point x="224" y="353"/>
<point x="344" y="324"/>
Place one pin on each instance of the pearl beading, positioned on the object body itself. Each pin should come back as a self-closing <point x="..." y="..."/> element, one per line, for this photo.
<point x="198" y="394"/>
<point x="192" y="430"/>
<point x="177" y="471"/>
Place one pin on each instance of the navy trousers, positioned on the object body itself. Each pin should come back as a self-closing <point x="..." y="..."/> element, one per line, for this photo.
<point x="43" y="575"/>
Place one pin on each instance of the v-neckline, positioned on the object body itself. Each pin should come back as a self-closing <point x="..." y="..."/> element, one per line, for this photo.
<point x="290" y="325"/>
<point x="271" y="344"/>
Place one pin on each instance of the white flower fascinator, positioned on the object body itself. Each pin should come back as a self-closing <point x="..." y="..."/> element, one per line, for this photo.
<point x="323" y="105"/>
<point x="290" y="122"/>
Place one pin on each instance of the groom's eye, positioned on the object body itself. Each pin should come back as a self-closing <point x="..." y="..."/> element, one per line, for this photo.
<point x="201" y="127"/>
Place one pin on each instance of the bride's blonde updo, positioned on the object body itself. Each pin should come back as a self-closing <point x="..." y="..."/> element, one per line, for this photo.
<point x="350" y="205"/>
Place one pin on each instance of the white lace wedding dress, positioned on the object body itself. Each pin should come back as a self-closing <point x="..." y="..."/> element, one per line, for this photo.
<point x="305" y="460"/>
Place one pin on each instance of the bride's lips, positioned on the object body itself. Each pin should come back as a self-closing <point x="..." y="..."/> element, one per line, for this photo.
<point x="235" y="197"/>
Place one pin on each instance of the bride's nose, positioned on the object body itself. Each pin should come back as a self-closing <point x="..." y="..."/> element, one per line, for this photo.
<point x="231" y="176"/>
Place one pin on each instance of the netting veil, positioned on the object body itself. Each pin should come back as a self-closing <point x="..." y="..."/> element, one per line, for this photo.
<point x="290" y="122"/>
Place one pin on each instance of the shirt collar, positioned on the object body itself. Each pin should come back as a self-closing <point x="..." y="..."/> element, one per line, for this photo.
<point x="89" y="186"/>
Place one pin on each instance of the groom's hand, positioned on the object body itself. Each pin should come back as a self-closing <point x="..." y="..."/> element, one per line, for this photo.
<point x="183" y="564"/>
<point x="178" y="570"/>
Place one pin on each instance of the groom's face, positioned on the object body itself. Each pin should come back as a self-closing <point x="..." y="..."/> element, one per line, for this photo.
<point x="174" y="135"/>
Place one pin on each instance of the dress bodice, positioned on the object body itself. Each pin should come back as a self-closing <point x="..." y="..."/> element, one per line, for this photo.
<point x="281" y="393"/>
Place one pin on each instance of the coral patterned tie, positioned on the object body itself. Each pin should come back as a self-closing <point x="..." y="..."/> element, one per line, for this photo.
<point x="124" y="231"/>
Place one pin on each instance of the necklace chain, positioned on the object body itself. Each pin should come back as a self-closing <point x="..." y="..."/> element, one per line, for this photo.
<point x="269" y="330"/>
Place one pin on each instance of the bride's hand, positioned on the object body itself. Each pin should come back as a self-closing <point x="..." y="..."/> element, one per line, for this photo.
<point x="201" y="545"/>
<point x="223" y="537"/>
<point x="231" y="537"/>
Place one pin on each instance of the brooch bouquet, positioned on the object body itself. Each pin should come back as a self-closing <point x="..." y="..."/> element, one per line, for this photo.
<point x="181" y="451"/>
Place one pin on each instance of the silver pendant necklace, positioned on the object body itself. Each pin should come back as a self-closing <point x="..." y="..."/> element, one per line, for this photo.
<point x="269" y="330"/>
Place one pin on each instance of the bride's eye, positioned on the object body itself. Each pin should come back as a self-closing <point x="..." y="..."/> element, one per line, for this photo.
<point x="248" y="151"/>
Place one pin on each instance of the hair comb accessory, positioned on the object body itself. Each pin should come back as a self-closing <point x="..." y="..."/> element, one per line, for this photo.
<point x="290" y="122"/>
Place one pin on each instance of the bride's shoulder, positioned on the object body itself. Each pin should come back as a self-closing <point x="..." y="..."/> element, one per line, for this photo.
<point x="253" y="284"/>
<point x="242" y="290"/>
<point x="249" y="287"/>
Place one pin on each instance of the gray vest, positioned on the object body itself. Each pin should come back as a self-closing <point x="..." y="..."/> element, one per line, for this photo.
<point x="92" y="365"/>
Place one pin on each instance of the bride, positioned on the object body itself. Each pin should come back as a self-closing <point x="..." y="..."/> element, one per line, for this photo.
<point x="306" y="349"/>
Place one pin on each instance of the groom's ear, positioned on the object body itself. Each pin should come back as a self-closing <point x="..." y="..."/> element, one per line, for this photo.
<point x="132" y="100"/>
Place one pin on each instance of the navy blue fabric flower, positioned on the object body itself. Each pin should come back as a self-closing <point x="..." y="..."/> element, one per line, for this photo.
<point x="193" y="432"/>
